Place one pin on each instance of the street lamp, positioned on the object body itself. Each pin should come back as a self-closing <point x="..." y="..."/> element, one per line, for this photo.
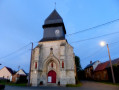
<point x="102" y="43"/>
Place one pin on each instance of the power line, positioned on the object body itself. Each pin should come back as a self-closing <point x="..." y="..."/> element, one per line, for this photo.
<point x="114" y="42"/>
<point x="96" y="37"/>
<point x="93" y="27"/>
<point x="92" y="38"/>
<point x="94" y="53"/>
<point x="99" y="50"/>
<point x="15" y="51"/>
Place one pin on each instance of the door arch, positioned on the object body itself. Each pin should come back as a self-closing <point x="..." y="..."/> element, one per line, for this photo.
<point x="51" y="76"/>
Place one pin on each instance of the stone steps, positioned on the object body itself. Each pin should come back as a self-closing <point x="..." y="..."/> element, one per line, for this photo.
<point x="52" y="84"/>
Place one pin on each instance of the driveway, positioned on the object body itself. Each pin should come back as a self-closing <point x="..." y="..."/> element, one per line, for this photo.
<point x="87" y="85"/>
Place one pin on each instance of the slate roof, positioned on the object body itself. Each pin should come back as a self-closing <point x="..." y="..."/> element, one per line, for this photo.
<point x="54" y="17"/>
<point x="53" y="20"/>
<point x="10" y="70"/>
<point x="52" y="39"/>
<point x="89" y="65"/>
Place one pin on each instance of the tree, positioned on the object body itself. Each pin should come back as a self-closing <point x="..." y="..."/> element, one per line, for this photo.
<point x="77" y="62"/>
<point x="78" y="68"/>
<point x="80" y="74"/>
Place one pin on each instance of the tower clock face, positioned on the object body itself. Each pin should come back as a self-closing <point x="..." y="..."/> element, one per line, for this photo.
<point x="57" y="32"/>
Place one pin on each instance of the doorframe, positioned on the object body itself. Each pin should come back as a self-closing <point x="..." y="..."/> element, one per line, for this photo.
<point x="47" y="76"/>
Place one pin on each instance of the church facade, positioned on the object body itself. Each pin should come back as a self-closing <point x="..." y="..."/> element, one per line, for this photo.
<point x="53" y="60"/>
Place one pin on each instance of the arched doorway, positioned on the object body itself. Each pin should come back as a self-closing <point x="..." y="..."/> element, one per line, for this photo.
<point x="52" y="76"/>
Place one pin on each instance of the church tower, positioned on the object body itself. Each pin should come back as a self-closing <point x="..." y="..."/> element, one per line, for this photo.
<point x="53" y="61"/>
<point x="54" y="27"/>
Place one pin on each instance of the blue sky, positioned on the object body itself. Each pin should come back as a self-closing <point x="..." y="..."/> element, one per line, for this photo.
<point x="21" y="23"/>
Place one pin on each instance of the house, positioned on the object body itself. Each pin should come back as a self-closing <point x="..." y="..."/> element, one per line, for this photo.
<point x="90" y="68"/>
<point x="103" y="71"/>
<point x="19" y="76"/>
<point x="100" y="73"/>
<point x="115" y="64"/>
<point x="53" y="60"/>
<point x="6" y="73"/>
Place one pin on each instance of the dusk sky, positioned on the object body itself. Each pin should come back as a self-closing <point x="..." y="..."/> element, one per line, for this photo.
<point x="21" y="23"/>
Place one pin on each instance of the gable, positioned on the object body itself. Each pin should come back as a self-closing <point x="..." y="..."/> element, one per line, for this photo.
<point x="21" y="72"/>
<point x="5" y="72"/>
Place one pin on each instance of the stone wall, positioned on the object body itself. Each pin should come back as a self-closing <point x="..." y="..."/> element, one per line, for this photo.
<point x="43" y="55"/>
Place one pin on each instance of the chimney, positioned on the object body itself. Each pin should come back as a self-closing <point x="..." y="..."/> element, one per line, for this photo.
<point x="90" y="62"/>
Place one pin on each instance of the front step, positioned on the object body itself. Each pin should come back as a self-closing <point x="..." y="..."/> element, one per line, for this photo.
<point x="52" y="84"/>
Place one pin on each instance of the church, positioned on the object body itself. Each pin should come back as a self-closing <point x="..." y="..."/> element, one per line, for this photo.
<point x="53" y="59"/>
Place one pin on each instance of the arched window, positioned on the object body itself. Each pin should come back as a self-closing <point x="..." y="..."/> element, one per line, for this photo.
<point x="36" y="65"/>
<point x="62" y="64"/>
<point x="52" y="64"/>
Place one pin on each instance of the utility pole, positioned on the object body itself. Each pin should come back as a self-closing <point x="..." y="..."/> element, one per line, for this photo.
<point x="30" y="64"/>
<point x="111" y="65"/>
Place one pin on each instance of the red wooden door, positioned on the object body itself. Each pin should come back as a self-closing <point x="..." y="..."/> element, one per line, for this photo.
<point x="52" y="74"/>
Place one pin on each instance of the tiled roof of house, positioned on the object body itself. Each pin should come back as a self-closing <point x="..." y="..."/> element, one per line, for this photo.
<point x="102" y="66"/>
<point x="106" y="64"/>
<point x="114" y="62"/>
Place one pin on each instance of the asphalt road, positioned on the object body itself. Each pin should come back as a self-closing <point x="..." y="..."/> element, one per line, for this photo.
<point x="87" y="85"/>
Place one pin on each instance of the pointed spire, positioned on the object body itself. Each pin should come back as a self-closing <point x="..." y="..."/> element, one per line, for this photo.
<point x="54" y="17"/>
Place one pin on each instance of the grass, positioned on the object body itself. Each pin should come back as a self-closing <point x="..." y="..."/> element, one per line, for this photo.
<point x="117" y="84"/>
<point x="74" y="85"/>
<point x="110" y="83"/>
<point x="13" y="84"/>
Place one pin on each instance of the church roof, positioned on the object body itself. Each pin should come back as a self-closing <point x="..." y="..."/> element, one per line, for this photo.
<point x="54" y="17"/>
<point x="51" y="39"/>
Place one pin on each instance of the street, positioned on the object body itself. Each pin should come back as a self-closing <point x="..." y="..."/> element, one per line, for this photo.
<point x="87" y="85"/>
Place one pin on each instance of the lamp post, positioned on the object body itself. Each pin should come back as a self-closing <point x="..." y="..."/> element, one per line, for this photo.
<point x="103" y="44"/>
